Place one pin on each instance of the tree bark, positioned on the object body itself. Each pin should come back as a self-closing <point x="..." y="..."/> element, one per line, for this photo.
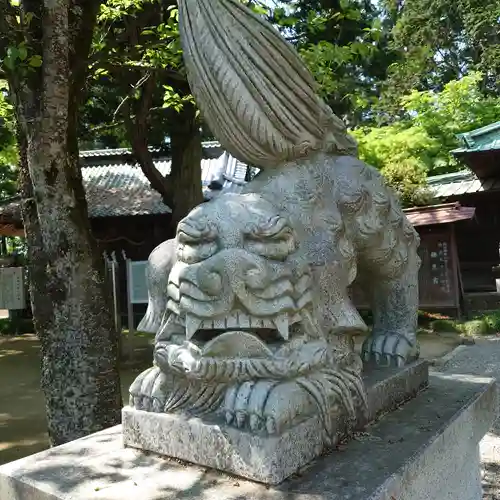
<point x="69" y="300"/>
<point x="181" y="190"/>
<point x="187" y="153"/>
<point x="137" y="129"/>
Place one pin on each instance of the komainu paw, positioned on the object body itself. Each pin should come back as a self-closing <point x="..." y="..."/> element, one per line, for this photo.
<point x="390" y="349"/>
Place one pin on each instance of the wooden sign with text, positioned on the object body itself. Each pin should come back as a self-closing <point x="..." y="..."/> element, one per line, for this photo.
<point x="12" y="289"/>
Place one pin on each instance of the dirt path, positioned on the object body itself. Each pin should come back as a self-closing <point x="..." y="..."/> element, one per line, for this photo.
<point x="22" y="415"/>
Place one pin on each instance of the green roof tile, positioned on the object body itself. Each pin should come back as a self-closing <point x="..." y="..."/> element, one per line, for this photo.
<point x="479" y="140"/>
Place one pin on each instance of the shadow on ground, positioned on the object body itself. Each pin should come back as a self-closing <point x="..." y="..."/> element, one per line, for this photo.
<point x="22" y="413"/>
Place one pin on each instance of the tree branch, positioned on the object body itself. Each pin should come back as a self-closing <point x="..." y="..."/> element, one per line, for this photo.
<point x="138" y="133"/>
<point x="83" y="18"/>
<point x="167" y="76"/>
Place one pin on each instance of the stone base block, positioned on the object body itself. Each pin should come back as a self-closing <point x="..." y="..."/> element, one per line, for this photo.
<point x="426" y="450"/>
<point x="266" y="459"/>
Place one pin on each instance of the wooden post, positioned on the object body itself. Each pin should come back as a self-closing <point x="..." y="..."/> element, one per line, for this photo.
<point x="111" y="272"/>
<point x="460" y="295"/>
<point x="116" y="292"/>
<point x="130" y="307"/>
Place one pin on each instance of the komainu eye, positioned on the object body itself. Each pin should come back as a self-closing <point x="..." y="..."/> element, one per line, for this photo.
<point x="196" y="243"/>
<point x="273" y="239"/>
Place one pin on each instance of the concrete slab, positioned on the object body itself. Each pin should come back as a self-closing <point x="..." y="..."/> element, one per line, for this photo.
<point x="263" y="458"/>
<point x="427" y="449"/>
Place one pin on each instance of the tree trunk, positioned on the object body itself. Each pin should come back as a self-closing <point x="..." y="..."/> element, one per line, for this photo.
<point x="181" y="190"/>
<point x="70" y="304"/>
<point x="185" y="177"/>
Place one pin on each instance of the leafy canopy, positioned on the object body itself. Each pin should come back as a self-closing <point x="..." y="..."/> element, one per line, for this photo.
<point x="427" y="133"/>
<point x="8" y="146"/>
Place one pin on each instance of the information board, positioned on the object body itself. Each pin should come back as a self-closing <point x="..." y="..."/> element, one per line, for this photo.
<point x="439" y="285"/>
<point x="12" y="289"/>
<point x="438" y="279"/>
<point x="138" y="287"/>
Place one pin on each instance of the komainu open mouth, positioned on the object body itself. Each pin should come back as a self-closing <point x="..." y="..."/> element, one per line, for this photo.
<point x="237" y="291"/>
<point x="271" y="329"/>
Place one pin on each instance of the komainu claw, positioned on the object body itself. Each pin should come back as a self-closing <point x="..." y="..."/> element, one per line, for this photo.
<point x="389" y="349"/>
<point x="255" y="422"/>
<point x="240" y="419"/>
<point x="229" y="417"/>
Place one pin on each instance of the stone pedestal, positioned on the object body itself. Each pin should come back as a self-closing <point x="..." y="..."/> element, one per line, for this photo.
<point x="427" y="449"/>
<point x="267" y="459"/>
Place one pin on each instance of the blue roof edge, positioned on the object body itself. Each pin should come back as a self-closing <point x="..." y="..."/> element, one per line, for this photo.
<point x="481" y="131"/>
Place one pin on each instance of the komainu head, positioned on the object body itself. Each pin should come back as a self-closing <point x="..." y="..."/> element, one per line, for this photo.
<point x="240" y="340"/>
<point x="239" y="267"/>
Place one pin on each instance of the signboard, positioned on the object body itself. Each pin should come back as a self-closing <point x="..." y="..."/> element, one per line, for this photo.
<point x="138" y="288"/>
<point x="439" y="285"/>
<point x="12" y="290"/>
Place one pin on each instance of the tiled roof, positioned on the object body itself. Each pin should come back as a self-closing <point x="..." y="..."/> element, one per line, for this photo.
<point x="439" y="214"/>
<point x="480" y="140"/>
<point x="115" y="189"/>
<point x="118" y="152"/>
<point x="120" y="189"/>
<point x="460" y="183"/>
<point x="102" y="153"/>
<point x="115" y="186"/>
<point x="489" y="146"/>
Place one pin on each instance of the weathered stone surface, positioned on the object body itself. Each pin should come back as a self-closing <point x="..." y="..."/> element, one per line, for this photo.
<point x="262" y="103"/>
<point x="263" y="458"/>
<point x="427" y="450"/>
<point x="250" y="302"/>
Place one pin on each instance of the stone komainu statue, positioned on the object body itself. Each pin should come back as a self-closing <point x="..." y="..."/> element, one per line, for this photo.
<point x="250" y="302"/>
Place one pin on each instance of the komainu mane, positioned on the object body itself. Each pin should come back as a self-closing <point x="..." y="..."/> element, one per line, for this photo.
<point x="250" y="302"/>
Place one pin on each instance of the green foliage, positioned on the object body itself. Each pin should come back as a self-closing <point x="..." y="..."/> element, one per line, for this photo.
<point x="393" y="144"/>
<point x="135" y="41"/>
<point x="459" y="107"/>
<point x="20" y="58"/>
<point x="409" y="181"/>
<point x="403" y="155"/>
<point x="8" y="146"/>
<point x="16" y="326"/>
<point x="439" y="41"/>
<point x="493" y="321"/>
<point x="475" y="327"/>
<point x="482" y="325"/>
<point x="174" y="100"/>
<point x="444" y="326"/>
<point x="420" y="143"/>
<point x="345" y="45"/>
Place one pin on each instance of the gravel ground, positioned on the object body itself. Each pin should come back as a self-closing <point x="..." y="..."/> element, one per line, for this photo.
<point x="483" y="359"/>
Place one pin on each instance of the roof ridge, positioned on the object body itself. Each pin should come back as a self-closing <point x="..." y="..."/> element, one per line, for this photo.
<point x="480" y="131"/>
<point x="451" y="177"/>
<point x="96" y="153"/>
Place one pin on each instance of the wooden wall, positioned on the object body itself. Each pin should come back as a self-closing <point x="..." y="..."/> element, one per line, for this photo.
<point x="478" y="241"/>
<point x="137" y="236"/>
